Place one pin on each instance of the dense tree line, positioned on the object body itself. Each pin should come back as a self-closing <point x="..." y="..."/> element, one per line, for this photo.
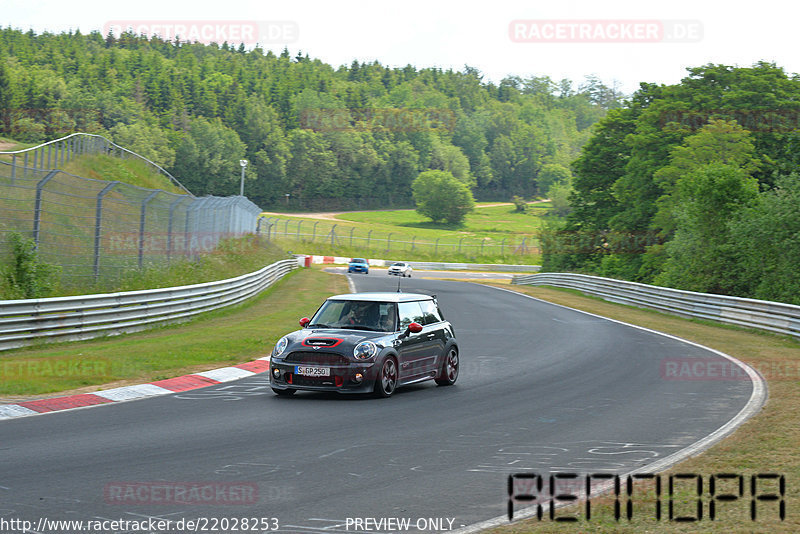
<point x="693" y="186"/>
<point x="356" y="135"/>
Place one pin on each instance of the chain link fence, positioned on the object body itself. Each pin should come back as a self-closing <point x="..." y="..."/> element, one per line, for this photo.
<point x="97" y="230"/>
<point x="352" y="237"/>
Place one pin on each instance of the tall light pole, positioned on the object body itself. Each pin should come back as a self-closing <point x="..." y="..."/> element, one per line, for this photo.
<point x="243" y="163"/>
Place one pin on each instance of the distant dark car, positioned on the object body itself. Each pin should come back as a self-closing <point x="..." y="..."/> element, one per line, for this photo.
<point x="358" y="265"/>
<point x="401" y="268"/>
<point x="367" y="343"/>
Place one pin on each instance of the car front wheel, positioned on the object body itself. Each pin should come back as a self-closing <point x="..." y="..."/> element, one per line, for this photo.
<point x="449" y="372"/>
<point x="387" y="379"/>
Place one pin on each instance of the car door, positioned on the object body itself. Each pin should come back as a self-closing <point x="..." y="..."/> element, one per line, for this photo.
<point x="434" y="332"/>
<point x="414" y="351"/>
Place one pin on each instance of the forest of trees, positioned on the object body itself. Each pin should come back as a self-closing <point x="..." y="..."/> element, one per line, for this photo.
<point x="692" y="186"/>
<point x="334" y="137"/>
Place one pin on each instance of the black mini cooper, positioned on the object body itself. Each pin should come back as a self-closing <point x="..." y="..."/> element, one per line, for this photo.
<point x="367" y="342"/>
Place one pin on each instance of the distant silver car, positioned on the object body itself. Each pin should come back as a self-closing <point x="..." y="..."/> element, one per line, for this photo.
<point x="401" y="268"/>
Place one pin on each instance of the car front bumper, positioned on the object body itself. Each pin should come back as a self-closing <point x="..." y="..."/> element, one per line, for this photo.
<point x="341" y="380"/>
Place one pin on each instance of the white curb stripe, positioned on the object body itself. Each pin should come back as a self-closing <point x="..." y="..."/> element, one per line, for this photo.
<point x="7" y="411"/>
<point x="226" y="374"/>
<point x="132" y="392"/>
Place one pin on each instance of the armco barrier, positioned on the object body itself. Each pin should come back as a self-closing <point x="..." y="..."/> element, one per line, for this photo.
<point x="431" y="266"/>
<point x="773" y="316"/>
<point x="24" y="322"/>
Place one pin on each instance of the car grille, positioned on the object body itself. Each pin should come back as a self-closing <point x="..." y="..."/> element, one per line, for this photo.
<point x="316" y="358"/>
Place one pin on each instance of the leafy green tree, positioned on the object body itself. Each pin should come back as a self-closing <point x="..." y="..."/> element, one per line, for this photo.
<point x="148" y="141"/>
<point x="207" y="158"/>
<point x="551" y="174"/>
<point x="442" y="197"/>
<point x="700" y="257"/>
<point x="765" y="242"/>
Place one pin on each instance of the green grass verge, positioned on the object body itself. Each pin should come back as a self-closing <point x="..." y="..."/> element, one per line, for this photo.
<point x="216" y="339"/>
<point x="766" y="443"/>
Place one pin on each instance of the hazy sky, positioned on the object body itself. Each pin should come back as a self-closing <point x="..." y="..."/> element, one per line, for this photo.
<point x="452" y="34"/>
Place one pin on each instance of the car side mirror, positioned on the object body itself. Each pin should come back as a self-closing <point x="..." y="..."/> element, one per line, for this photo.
<point x="304" y="321"/>
<point x="413" y="328"/>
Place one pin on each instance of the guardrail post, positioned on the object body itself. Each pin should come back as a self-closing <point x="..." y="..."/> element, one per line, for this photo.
<point x="37" y="209"/>
<point x="98" y="217"/>
<point x="142" y="218"/>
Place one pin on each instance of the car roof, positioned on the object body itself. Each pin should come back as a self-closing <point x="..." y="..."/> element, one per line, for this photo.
<point x="382" y="297"/>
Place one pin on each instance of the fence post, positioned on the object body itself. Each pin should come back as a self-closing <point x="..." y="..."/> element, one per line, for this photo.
<point x="37" y="209"/>
<point x="98" y="217"/>
<point x="368" y="236"/>
<point x="436" y="247"/>
<point x="142" y="217"/>
<point x="299" y="224"/>
<point x="13" y="167"/>
<point x="389" y="242"/>
<point x="502" y="247"/>
<point x="459" y="245"/>
<point x="351" y="235"/>
<point x="172" y="206"/>
<point x="413" y="240"/>
<point x="482" y="242"/>
<point x="333" y="235"/>
<point x="25" y="164"/>
<point x="314" y="233"/>
<point x="285" y="228"/>
<point x="49" y="152"/>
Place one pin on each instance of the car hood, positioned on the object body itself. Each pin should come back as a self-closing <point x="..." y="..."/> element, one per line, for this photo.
<point x="318" y="337"/>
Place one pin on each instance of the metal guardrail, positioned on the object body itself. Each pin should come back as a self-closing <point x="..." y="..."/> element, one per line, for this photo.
<point x="766" y="315"/>
<point x="60" y="151"/>
<point x="25" y="322"/>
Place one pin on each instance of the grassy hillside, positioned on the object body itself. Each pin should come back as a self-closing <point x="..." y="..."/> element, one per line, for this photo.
<point x="490" y="234"/>
<point x="130" y="171"/>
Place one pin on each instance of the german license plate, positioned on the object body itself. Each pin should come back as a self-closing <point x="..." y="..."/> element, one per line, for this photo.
<point x="312" y="371"/>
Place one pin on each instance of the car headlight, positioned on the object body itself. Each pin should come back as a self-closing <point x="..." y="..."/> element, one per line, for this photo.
<point x="365" y="350"/>
<point x="280" y="346"/>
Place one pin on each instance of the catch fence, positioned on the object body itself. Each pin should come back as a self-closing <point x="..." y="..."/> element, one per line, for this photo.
<point x="97" y="230"/>
<point x="338" y="236"/>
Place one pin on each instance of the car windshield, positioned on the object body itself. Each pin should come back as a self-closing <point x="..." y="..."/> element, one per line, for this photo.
<point x="356" y="315"/>
<point x="398" y="264"/>
<point x="358" y="260"/>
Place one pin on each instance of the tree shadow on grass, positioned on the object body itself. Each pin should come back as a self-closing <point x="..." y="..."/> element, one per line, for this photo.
<point x="430" y="225"/>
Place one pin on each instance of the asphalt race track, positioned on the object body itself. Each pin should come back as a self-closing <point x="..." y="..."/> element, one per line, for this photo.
<point x="542" y="389"/>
